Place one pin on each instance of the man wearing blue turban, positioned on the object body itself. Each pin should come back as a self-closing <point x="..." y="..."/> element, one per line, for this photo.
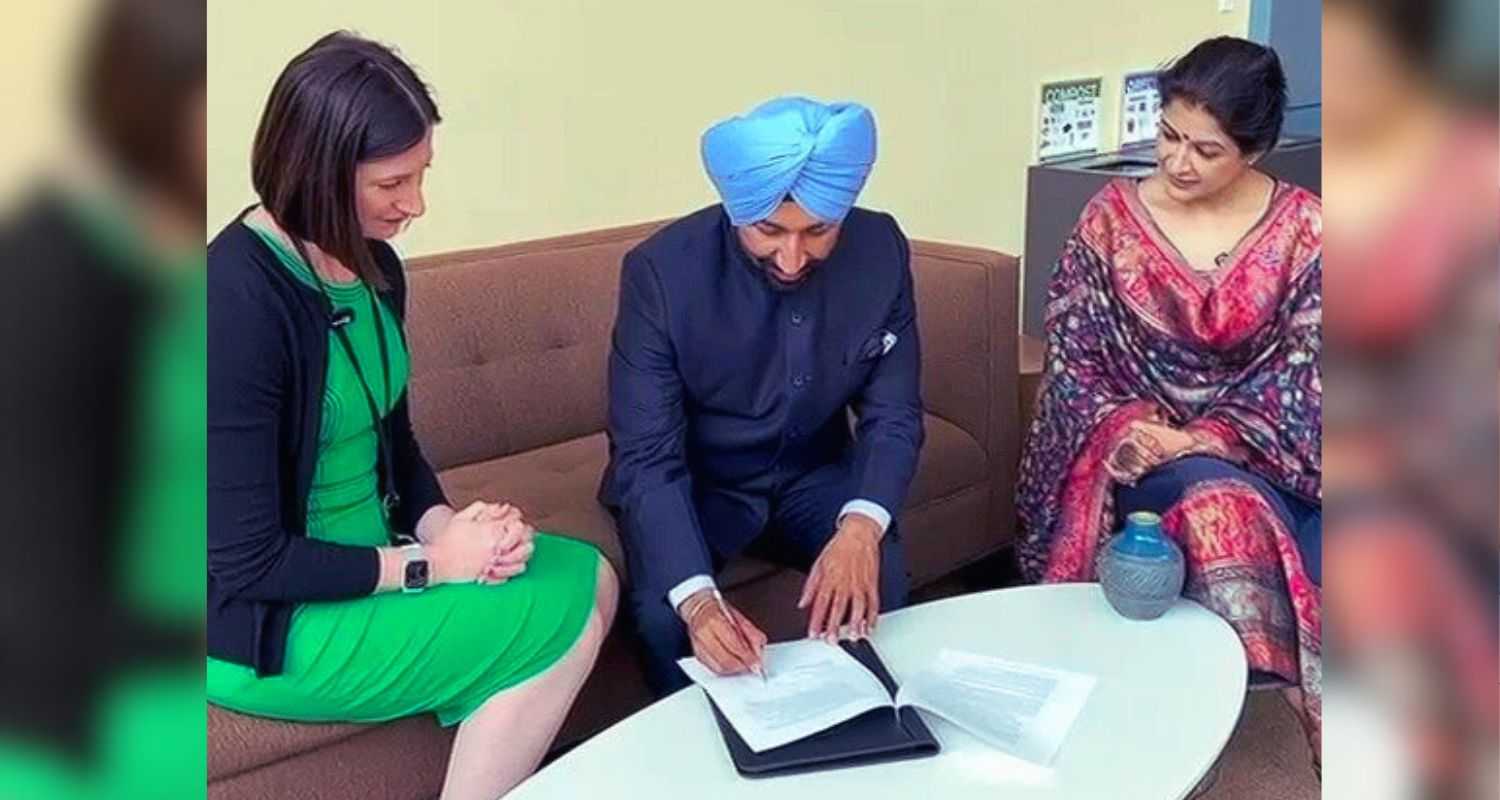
<point x="746" y="333"/>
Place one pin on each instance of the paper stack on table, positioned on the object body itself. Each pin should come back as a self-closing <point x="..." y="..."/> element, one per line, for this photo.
<point x="1021" y="709"/>
<point x="811" y="686"/>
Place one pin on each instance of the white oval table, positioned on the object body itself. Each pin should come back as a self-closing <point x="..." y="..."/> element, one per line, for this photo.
<point x="1168" y="697"/>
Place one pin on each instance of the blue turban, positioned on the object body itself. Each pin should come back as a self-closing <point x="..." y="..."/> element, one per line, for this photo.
<point x="819" y="153"/>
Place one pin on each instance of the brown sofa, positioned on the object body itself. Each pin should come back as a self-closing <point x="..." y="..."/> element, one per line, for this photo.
<point x="508" y="352"/>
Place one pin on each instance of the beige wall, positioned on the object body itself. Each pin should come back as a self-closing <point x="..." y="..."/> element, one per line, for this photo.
<point x="566" y="115"/>
<point x="38" y="53"/>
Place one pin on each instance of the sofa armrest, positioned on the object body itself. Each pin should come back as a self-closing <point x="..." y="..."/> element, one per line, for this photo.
<point x="967" y="310"/>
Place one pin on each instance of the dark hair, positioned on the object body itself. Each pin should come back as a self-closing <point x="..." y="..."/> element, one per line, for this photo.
<point x="344" y="100"/>
<point x="143" y="64"/>
<point x="1239" y="82"/>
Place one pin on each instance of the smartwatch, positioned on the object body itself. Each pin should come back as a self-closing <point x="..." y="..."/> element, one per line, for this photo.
<point x="415" y="572"/>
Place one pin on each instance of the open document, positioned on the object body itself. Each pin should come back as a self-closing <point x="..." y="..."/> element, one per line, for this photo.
<point x="1021" y="709"/>
<point x="811" y="686"/>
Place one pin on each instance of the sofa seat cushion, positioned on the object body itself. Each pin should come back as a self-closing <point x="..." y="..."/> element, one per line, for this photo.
<point x="556" y="486"/>
<point x="239" y="742"/>
<point x="951" y="461"/>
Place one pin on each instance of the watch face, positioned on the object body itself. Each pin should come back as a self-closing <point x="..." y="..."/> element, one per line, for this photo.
<point x="416" y="574"/>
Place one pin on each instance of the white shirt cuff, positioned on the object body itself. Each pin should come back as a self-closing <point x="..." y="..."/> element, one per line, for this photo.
<point x="688" y="588"/>
<point x="870" y="509"/>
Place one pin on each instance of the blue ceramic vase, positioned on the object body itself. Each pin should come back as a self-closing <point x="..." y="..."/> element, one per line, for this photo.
<point x="1141" y="570"/>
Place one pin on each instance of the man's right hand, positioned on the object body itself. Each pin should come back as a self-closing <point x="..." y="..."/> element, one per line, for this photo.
<point x="716" y="642"/>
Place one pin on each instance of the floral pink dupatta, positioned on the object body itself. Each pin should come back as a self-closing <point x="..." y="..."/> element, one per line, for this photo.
<point x="1232" y="356"/>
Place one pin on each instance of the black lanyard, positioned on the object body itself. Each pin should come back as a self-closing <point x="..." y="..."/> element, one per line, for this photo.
<point x="390" y="499"/>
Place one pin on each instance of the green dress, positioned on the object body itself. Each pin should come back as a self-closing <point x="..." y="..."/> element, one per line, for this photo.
<point x="445" y="650"/>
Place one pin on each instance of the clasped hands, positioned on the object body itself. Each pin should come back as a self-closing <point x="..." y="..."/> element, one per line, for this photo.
<point x="1146" y="446"/>
<point x="487" y="543"/>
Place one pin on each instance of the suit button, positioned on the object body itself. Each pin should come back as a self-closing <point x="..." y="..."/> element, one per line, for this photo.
<point x="797" y="318"/>
<point x="801" y="381"/>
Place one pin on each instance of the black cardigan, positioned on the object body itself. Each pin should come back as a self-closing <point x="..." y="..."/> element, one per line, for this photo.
<point x="268" y="337"/>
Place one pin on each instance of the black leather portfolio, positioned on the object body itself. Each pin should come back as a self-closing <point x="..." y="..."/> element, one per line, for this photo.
<point x="870" y="738"/>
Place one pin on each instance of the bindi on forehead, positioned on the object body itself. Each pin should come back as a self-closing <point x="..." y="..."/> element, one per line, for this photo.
<point x="1203" y="133"/>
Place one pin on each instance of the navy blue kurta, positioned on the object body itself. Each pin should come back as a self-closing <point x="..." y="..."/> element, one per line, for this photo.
<point x="721" y="384"/>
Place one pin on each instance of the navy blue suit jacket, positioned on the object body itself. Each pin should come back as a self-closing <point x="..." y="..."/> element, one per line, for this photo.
<point x="720" y="383"/>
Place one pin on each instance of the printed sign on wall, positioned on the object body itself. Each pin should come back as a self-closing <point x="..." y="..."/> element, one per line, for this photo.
<point x="1140" y="108"/>
<point x="1069" y="118"/>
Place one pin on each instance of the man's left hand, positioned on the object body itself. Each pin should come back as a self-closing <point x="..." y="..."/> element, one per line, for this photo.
<point x="844" y="583"/>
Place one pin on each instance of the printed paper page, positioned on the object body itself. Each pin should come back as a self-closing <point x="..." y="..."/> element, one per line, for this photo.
<point x="812" y="686"/>
<point x="1023" y="709"/>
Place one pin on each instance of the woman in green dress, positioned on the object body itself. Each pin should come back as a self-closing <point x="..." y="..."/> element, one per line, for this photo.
<point x="342" y="587"/>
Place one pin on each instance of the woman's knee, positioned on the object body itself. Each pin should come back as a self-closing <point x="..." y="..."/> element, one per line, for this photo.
<point x="606" y="592"/>
<point x="1186" y="471"/>
<point x="590" y="641"/>
<point x="1164" y="486"/>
